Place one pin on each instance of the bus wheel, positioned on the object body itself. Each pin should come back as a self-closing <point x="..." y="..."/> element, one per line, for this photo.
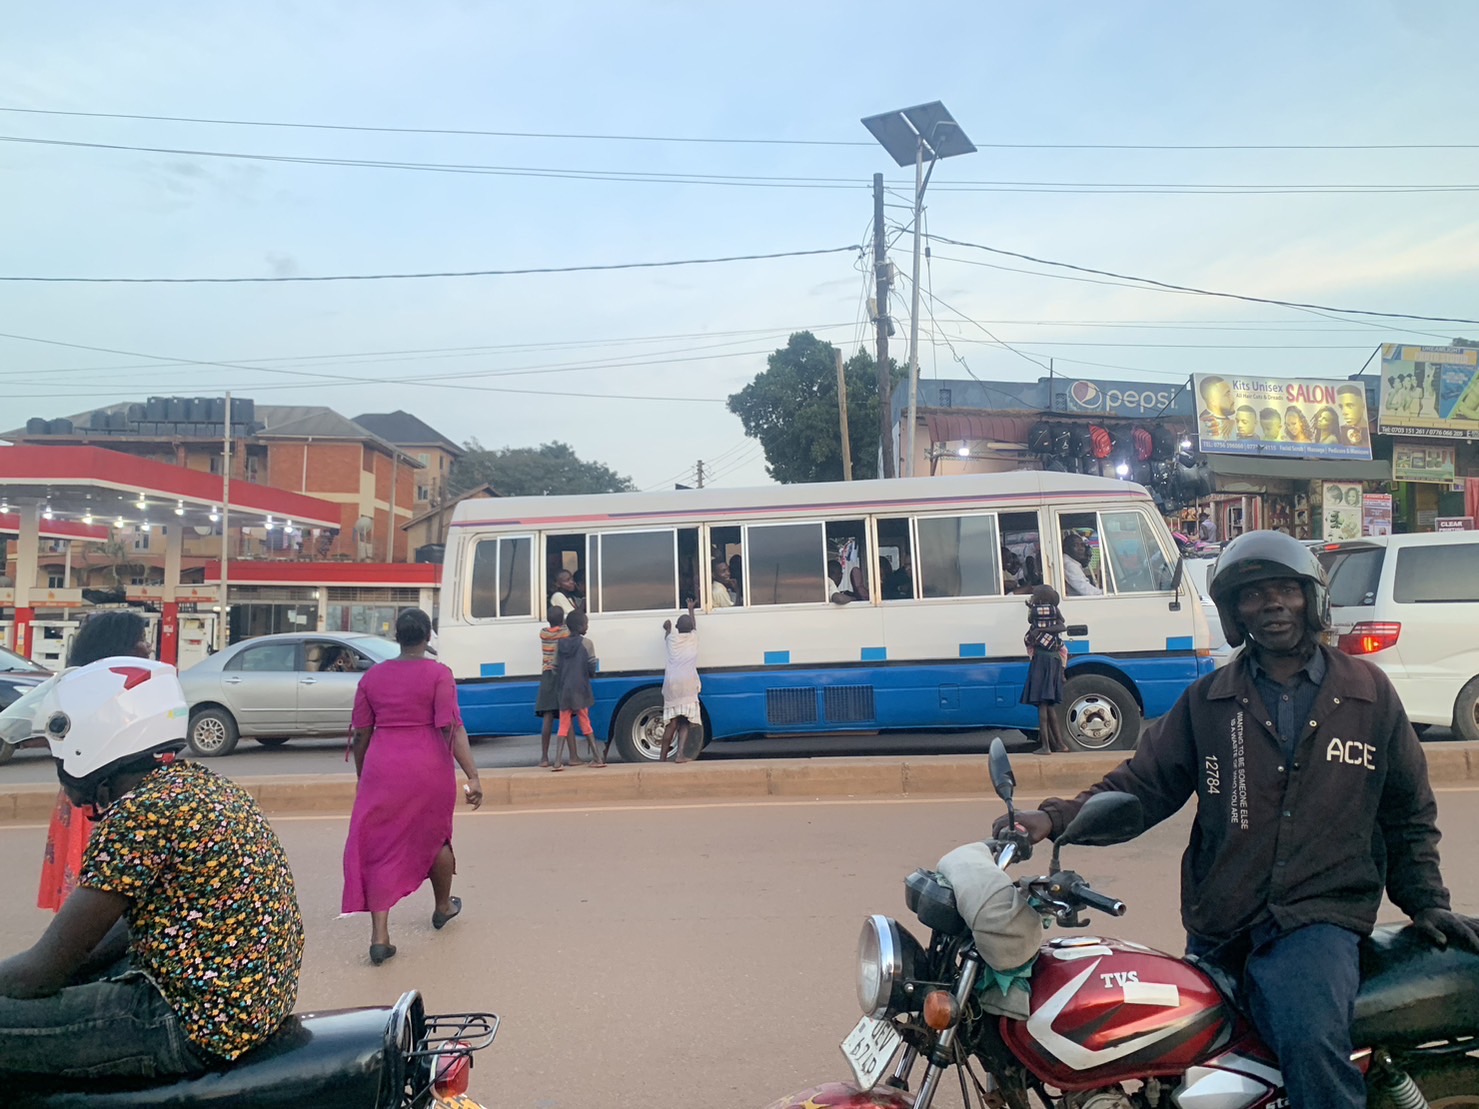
<point x="638" y="730"/>
<point x="1099" y="714"/>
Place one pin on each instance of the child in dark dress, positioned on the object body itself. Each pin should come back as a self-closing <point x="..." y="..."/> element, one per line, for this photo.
<point x="1048" y="656"/>
<point x="575" y="666"/>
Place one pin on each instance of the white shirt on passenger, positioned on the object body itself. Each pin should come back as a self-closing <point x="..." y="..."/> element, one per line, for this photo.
<point x="1077" y="580"/>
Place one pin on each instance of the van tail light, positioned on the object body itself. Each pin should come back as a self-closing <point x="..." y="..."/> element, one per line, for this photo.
<point x="453" y="1070"/>
<point x="1368" y="637"/>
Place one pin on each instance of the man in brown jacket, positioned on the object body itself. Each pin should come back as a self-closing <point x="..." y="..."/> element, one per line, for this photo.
<point x="1312" y="797"/>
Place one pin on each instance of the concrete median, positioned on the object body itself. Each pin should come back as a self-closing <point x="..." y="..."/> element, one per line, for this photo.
<point x="1449" y="765"/>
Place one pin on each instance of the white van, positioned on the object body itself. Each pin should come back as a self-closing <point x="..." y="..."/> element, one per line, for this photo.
<point x="1410" y="603"/>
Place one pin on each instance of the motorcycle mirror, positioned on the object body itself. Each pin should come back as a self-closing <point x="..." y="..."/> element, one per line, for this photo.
<point x="1105" y="819"/>
<point x="1002" y="778"/>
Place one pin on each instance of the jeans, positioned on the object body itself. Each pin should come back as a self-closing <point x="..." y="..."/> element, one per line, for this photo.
<point x="114" y="1027"/>
<point x="1299" y="989"/>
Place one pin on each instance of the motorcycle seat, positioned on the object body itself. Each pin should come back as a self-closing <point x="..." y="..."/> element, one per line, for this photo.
<point x="1413" y="993"/>
<point x="324" y="1060"/>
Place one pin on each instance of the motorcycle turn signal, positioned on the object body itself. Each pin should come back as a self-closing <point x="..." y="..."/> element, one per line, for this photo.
<point x="941" y="1010"/>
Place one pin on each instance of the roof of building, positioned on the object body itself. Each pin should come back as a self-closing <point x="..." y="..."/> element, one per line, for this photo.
<point x="406" y="430"/>
<point x="287" y="421"/>
<point x="477" y="492"/>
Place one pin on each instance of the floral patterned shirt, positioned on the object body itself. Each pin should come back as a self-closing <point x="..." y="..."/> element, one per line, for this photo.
<point x="213" y="914"/>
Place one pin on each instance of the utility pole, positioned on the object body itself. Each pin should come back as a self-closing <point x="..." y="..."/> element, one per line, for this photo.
<point x="700" y="468"/>
<point x="914" y="310"/>
<point x="223" y="631"/>
<point x="880" y="324"/>
<point x="842" y="417"/>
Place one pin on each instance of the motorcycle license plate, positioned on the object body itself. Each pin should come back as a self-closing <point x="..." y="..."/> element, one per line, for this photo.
<point x="456" y="1101"/>
<point x="869" y="1049"/>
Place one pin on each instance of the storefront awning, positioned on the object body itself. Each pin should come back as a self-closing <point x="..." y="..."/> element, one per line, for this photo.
<point x="1234" y="465"/>
<point x="963" y="427"/>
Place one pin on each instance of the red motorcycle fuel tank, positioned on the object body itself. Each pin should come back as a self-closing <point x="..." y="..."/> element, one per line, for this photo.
<point x="1105" y="1011"/>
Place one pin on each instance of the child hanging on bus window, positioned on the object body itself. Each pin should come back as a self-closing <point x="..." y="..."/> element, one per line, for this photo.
<point x="680" y="684"/>
<point x="575" y="666"/>
<point x="1047" y="657"/>
<point x="547" y="700"/>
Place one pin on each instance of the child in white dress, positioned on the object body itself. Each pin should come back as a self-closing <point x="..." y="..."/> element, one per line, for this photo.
<point x="680" y="684"/>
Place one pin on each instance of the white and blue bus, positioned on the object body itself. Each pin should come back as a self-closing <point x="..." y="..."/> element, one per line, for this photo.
<point x="924" y="629"/>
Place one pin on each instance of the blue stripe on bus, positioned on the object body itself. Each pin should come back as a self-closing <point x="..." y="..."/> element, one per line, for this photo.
<point x="1078" y="647"/>
<point x="491" y="670"/>
<point x="874" y="654"/>
<point x="777" y="658"/>
<point x="1180" y="643"/>
<point x="973" y="650"/>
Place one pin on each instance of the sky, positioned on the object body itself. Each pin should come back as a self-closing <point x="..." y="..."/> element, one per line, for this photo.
<point x="632" y="367"/>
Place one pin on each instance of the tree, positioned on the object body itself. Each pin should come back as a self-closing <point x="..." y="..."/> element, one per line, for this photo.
<point x="791" y="409"/>
<point x="550" y="469"/>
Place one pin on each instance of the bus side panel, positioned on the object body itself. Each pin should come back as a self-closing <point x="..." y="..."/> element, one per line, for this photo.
<point x="506" y="706"/>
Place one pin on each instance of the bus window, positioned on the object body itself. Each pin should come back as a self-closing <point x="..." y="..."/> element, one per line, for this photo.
<point x="639" y="571"/>
<point x="1136" y="562"/>
<point x="785" y="564"/>
<point x="688" y="567"/>
<point x="895" y="563"/>
<point x="501" y="573"/>
<point x="1021" y="547"/>
<point x="959" y="556"/>
<point x="847" y="559"/>
<point x="726" y="567"/>
<point x="566" y="552"/>
<point x="1083" y="571"/>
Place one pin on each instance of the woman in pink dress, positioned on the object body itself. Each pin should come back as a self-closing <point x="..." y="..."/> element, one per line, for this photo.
<point x="407" y="733"/>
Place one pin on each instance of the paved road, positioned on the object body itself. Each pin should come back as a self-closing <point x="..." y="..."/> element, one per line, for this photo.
<point x="670" y="955"/>
<point x="326" y="756"/>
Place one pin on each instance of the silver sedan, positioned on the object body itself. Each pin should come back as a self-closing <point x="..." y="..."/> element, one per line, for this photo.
<point x="278" y="687"/>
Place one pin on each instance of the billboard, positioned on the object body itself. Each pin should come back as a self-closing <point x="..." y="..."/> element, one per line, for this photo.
<point x="1431" y="392"/>
<point x="1423" y="462"/>
<point x="1286" y="417"/>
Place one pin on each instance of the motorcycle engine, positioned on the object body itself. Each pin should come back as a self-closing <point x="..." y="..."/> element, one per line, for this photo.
<point x="1111" y="1097"/>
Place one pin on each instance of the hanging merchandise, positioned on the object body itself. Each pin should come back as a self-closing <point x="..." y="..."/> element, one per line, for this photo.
<point x="1163" y="440"/>
<point x="1078" y="444"/>
<point x="1040" y="438"/>
<point x="1144" y="446"/>
<point x="1063" y="442"/>
<point x="1103" y="442"/>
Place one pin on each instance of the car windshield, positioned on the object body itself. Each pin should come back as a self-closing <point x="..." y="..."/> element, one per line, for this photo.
<point x="10" y="662"/>
<point x="378" y="649"/>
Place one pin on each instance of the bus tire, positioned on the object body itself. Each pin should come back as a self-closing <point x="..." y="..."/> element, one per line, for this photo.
<point x="637" y="733"/>
<point x="1099" y="714"/>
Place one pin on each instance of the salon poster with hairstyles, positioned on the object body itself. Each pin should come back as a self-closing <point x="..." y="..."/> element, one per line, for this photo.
<point x="1343" y="510"/>
<point x="1429" y="392"/>
<point x="1287" y="417"/>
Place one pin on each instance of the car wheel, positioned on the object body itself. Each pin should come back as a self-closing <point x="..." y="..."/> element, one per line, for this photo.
<point x="273" y="740"/>
<point x="638" y="730"/>
<point x="7" y="752"/>
<point x="1466" y="712"/>
<point x="1099" y="714"/>
<point x="212" y="733"/>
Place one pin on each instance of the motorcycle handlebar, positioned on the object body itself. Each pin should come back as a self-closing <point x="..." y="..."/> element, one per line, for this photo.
<point x="1091" y="899"/>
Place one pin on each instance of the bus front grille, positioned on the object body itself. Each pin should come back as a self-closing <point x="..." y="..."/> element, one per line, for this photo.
<point x="849" y="704"/>
<point x="791" y="706"/>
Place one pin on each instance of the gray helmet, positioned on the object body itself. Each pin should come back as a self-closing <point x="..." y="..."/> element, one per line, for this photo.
<point x="1261" y="556"/>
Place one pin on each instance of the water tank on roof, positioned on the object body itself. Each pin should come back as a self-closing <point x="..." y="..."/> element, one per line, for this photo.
<point x="98" y="421"/>
<point x="36" y="426"/>
<point x="175" y="410"/>
<point x="217" y="410"/>
<point x="62" y="426"/>
<point x="118" y="420"/>
<point x="243" y="410"/>
<point x="134" y="413"/>
<point x="155" y="409"/>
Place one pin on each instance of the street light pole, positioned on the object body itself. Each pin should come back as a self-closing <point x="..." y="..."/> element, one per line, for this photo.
<point x="914" y="310"/>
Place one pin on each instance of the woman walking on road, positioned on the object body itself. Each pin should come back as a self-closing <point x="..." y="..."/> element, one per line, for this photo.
<point x="106" y="635"/>
<point x="407" y="734"/>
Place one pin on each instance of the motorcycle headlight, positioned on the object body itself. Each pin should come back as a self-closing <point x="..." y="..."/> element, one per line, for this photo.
<point x="887" y="956"/>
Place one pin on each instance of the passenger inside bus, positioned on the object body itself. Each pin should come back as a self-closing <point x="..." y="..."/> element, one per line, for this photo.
<point x="1077" y="559"/>
<point x="723" y="595"/>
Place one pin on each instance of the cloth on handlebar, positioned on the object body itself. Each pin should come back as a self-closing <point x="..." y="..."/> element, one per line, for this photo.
<point x="1007" y="930"/>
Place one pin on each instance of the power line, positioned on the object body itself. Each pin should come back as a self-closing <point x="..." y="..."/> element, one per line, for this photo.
<point x="524" y="271"/>
<point x="593" y="137"/>
<point x="1169" y="286"/>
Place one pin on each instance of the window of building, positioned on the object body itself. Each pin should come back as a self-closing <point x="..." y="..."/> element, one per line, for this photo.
<point x="1447" y="572"/>
<point x="785" y="564"/>
<point x="424" y="459"/>
<point x="141" y="540"/>
<point x="959" y="556"/>
<point x="502" y="578"/>
<point x="56" y="581"/>
<point x="423" y="492"/>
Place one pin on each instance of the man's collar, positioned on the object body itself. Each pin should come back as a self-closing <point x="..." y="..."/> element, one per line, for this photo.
<point x="1314" y="667"/>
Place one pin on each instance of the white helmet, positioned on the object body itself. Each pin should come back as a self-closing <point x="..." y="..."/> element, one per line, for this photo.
<point x="97" y="717"/>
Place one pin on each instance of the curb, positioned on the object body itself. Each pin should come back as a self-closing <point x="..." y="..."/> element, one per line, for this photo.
<point x="931" y="776"/>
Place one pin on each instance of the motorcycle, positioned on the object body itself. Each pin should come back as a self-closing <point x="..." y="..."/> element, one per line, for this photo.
<point x="393" y="1057"/>
<point x="1108" y="1024"/>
